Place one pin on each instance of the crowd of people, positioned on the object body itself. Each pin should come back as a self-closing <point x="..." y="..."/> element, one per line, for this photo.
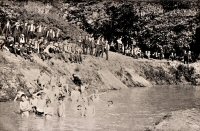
<point x="156" y="52"/>
<point x="26" y="37"/>
<point x="54" y="99"/>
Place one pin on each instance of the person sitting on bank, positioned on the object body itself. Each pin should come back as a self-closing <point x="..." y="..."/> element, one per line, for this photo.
<point x="24" y="106"/>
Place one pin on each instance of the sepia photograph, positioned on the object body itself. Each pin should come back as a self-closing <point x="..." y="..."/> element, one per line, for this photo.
<point x="99" y="65"/>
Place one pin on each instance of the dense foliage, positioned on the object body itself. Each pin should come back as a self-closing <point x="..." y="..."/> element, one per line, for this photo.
<point x="168" y="25"/>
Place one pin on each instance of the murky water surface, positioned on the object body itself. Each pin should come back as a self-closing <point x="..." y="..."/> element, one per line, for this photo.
<point x="133" y="109"/>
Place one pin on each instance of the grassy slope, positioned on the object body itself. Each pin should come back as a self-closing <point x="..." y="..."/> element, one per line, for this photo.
<point x="17" y="73"/>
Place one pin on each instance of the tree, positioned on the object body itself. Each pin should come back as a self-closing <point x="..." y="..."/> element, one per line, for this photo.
<point x="175" y="4"/>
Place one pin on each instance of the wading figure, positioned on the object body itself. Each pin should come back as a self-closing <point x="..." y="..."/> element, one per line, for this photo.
<point x="48" y="109"/>
<point x="40" y="105"/>
<point x="75" y="96"/>
<point x="24" y="106"/>
<point x="61" y="106"/>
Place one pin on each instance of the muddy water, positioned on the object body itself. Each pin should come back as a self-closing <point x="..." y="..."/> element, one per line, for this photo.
<point x="133" y="109"/>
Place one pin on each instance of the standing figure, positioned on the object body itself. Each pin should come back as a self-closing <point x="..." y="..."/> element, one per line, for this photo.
<point x="31" y="28"/>
<point x="107" y="48"/>
<point x="102" y="46"/>
<point x="25" y="31"/>
<point x="75" y="96"/>
<point x="1" y="29"/>
<point x="90" y="109"/>
<point x="186" y="57"/>
<point x="51" y="35"/>
<point x="48" y="109"/>
<point x="17" y="32"/>
<point x="40" y="104"/>
<point x="98" y="47"/>
<point x="61" y="106"/>
<point x="39" y="30"/>
<point x="7" y="29"/>
<point x="24" y="106"/>
<point x="57" y="35"/>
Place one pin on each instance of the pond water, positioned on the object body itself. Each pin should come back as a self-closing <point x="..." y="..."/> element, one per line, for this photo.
<point x="133" y="109"/>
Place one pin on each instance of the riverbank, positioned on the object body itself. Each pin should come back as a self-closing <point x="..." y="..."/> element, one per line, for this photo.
<point x="117" y="73"/>
<point x="182" y="120"/>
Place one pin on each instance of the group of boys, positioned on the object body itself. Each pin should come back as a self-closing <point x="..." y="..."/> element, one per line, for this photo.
<point x="23" y="38"/>
<point x="95" y="47"/>
<point x="53" y="98"/>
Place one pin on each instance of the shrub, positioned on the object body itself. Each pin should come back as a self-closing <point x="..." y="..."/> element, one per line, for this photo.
<point x="187" y="72"/>
<point x="158" y="75"/>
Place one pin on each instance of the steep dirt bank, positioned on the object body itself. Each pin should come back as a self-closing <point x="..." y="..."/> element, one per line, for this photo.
<point x="118" y="73"/>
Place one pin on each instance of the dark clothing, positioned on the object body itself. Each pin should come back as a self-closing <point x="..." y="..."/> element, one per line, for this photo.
<point x="6" y="31"/>
<point x="77" y="80"/>
<point x="106" y="51"/>
<point x="39" y="113"/>
<point x="97" y="50"/>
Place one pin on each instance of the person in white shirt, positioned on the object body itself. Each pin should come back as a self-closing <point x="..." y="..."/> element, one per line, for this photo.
<point x="120" y="43"/>
<point x="22" y="39"/>
<point x="107" y="48"/>
<point x="39" y="29"/>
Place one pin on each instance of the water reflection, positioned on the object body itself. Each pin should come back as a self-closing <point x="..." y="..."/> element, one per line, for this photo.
<point x="133" y="109"/>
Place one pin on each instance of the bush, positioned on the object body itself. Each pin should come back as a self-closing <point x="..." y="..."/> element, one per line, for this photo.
<point x="175" y="4"/>
<point x="159" y="75"/>
<point x="187" y="72"/>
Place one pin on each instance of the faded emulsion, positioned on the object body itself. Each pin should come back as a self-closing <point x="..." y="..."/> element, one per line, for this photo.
<point x="98" y="65"/>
